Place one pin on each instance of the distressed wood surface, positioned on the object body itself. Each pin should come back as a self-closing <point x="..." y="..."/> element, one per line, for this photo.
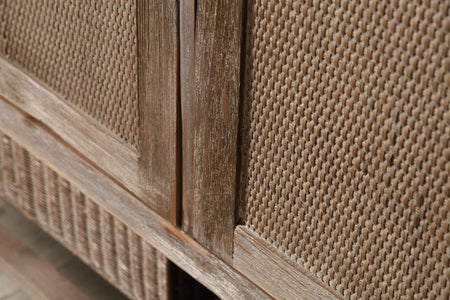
<point x="157" y="23"/>
<point x="162" y="272"/>
<point x="80" y="131"/>
<point x="274" y="272"/>
<point x="2" y="162"/>
<point x="210" y="118"/>
<point x="107" y="245"/>
<point x="37" y="276"/>
<point x="177" y="246"/>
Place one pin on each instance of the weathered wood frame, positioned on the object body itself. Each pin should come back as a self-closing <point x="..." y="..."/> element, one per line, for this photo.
<point x="192" y="72"/>
<point x="150" y="173"/>
<point x="275" y="272"/>
<point x="212" y="47"/>
<point x="210" y="43"/>
<point x="158" y="98"/>
<point x="86" y="135"/>
<point x="181" y="249"/>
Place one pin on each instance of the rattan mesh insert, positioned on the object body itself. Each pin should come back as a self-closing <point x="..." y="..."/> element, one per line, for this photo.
<point x="346" y="141"/>
<point x="61" y="208"/>
<point x="84" y="50"/>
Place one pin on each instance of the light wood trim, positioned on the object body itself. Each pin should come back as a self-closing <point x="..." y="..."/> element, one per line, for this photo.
<point x="39" y="278"/>
<point x="273" y="271"/>
<point x="208" y="269"/>
<point x="210" y="121"/>
<point x="83" y="133"/>
<point x="157" y="49"/>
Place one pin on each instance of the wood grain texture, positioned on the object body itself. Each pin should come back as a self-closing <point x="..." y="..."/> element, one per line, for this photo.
<point x="181" y="249"/>
<point x="210" y="119"/>
<point x="187" y="71"/>
<point x="80" y="131"/>
<point x="126" y="249"/>
<point x="273" y="271"/>
<point x="2" y="181"/>
<point x="7" y="170"/>
<point x="157" y="23"/>
<point x="38" y="276"/>
<point x="162" y="271"/>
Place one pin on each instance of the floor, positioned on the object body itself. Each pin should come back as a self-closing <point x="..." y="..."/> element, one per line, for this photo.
<point x="11" y="289"/>
<point x="35" y="266"/>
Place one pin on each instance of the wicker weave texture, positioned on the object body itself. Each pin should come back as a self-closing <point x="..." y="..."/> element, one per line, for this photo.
<point x="346" y="141"/>
<point x="91" y="232"/>
<point x="84" y="50"/>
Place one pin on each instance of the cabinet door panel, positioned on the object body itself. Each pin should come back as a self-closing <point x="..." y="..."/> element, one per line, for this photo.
<point x="96" y="75"/>
<point x="345" y="143"/>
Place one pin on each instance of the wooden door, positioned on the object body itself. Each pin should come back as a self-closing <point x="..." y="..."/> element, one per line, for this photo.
<point x="103" y="77"/>
<point x="318" y="155"/>
<point x="305" y="143"/>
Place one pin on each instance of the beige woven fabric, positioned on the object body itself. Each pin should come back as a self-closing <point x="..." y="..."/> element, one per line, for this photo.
<point x="62" y="209"/>
<point x="84" y="50"/>
<point x="346" y="141"/>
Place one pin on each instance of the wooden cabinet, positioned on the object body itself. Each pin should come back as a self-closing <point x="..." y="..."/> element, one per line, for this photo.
<point x="103" y="77"/>
<point x="286" y="149"/>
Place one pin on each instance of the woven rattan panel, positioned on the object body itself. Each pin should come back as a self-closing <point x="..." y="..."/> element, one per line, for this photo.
<point x="346" y="141"/>
<point x="91" y="232"/>
<point x="84" y="50"/>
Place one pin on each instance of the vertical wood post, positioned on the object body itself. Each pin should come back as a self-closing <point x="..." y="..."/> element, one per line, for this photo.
<point x="157" y="49"/>
<point x="210" y="74"/>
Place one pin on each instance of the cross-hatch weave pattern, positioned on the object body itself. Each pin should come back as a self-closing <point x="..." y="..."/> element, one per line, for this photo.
<point x="61" y="208"/>
<point x="84" y="50"/>
<point x="346" y="141"/>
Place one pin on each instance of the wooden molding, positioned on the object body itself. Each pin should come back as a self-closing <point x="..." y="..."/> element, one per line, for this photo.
<point x="273" y="271"/>
<point x="161" y="234"/>
<point x="80" y="131"/>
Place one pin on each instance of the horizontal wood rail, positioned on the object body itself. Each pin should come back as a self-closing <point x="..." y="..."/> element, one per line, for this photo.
<point x="67" y="121"/>
<point x="275" y="272"/>
<point x="205" y="267"/>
